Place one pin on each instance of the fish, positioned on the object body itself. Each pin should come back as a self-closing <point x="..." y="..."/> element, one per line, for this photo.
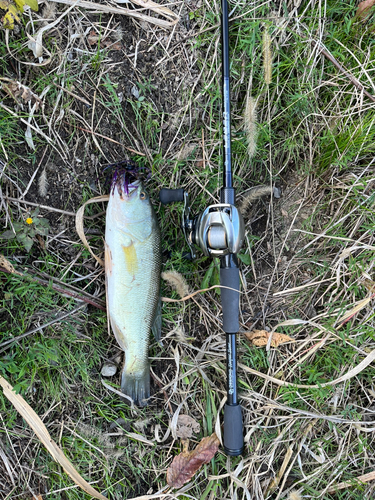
<point x="132" y="273"/>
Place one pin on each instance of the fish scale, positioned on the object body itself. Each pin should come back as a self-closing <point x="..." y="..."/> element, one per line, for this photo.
<point x="132" y="268"/>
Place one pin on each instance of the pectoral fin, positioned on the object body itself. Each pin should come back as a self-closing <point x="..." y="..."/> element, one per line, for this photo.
<point x="130" y="258"/>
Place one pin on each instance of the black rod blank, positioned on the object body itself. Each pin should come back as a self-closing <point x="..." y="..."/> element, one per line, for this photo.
<point x="229" y="272"/>
<point x="227" y="173"/>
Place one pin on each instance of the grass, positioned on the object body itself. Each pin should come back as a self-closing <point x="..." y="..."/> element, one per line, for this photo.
<point x="308" y="256"/>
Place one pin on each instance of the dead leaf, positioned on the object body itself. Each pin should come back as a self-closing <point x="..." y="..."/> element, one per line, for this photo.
<point x="27" y="94"/>
<point x="41" y="431"/>
<point x="11" y="16"/>
<point x="355" y="310"/>
<point x="364" y="9"/>
<point x="276" y="480"/>
<point x="94" y="39"/>
<point x="186" y="427"/>
<point x="7" y="265"/>
<point x="41" y="242"/>
<point x="187" y="463"/>
<point x="260" y="338"/>
<point x="79" y="224"/>
<point x="16" y="89"/>
<point x="36" y="41"/>
<point x="112" y="45"/>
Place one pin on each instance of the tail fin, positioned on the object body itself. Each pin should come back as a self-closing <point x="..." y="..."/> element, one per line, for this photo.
<point x="136" y="386"/>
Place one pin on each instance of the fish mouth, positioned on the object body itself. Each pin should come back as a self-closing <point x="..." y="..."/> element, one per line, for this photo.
<point x="126" y="176"/>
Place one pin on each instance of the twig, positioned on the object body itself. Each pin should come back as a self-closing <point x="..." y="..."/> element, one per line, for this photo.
<point x="18" y="200"/>
<point x="191" y="295"/>
<point x="59" y="289"/>
<point x="51" y="209"/>
<point x="34" y="330"/>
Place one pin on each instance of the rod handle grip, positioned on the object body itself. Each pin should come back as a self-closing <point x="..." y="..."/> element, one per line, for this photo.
<point x="230" y="298"/>
<point x="233" y="430"/>
<point x="167" y="196"/>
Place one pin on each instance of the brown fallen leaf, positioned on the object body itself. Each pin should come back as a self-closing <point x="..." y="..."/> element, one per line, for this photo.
<point x="284" y="213"/>
<point x="260" y="338"/>
<point x="94" y="38"/>
<point x="41" y="242"/>
<point x="187" y="463"/>
<point x="364" y="9"/>
<point x="8" y="266"/>
<point x="16" y="89"/>
<point x="186" y="427"/>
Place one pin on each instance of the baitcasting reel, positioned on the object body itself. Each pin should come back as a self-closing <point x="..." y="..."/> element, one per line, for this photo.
<point x="219" y="230"/>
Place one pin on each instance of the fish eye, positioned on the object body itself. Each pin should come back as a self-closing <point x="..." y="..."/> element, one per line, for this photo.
<point x="142" y="195"/>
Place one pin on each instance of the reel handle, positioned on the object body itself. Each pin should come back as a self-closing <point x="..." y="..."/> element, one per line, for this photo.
<point x="167" y="196"/>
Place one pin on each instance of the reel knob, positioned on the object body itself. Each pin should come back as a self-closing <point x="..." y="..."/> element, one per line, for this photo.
<point x="167" y="196"/>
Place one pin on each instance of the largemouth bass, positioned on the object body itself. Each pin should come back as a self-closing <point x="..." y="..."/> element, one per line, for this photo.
<point x="132" y="270"/>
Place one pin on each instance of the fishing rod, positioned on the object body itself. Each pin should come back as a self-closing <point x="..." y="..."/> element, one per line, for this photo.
<point x="219" y="232"/>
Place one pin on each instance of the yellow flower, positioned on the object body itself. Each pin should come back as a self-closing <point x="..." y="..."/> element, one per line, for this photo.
<point x="29" y="220"/>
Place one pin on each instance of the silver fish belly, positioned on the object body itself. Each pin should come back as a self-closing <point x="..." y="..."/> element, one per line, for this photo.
<point x="132" y="269"/>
